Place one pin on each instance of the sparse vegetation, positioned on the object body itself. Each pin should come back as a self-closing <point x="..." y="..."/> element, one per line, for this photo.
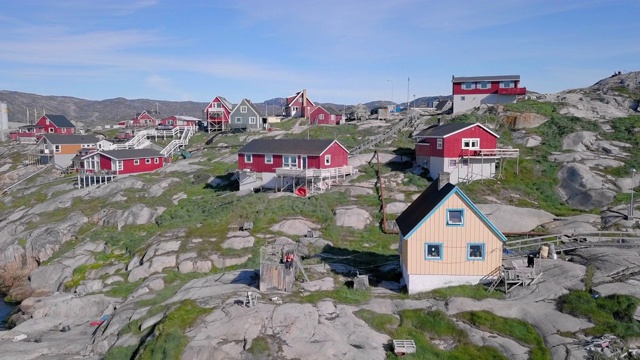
<point x="588" y="277"/>
<point x="476" y="292"/>
<point x="515" y="329"/>
<point x="120" y="353"/>
<point x="259" y="346"/>
<point x="382" y="323"/>
<point x="534" y="106"/>
<point x="613" y="314"/>
<point x="342" y="295"/>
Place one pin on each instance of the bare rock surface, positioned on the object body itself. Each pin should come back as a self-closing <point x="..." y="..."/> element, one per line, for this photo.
<point x="194" y="265"/>
<point x="396" y="207"/>
<point x="238" y="242"/>
<point x="574" y="224"/>
<point x="509" y="218"/>
<point x="352" y="216"/>
<point x="214" y="289"/>
<point x="510" y="348"/>
<point x="223" y="261"/>
<point x="158" y="188"/>
<point x="326" y="283"/>
<point x="523" y="120"/>
<point x="579" y="141"/>
<point x="138" y="214"/>
<point x="294" y="226"/>
<point x="582" y="189"/>
<point x="526" y="139"/>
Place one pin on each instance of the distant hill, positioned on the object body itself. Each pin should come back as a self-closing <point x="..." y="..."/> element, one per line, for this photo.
<point x="110" y="111"/>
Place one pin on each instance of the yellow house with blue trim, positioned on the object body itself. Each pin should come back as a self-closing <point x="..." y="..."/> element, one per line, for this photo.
<point x="445" y="240"/>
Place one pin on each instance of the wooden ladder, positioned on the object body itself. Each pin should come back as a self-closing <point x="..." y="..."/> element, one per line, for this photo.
<point x="497" y="272"/>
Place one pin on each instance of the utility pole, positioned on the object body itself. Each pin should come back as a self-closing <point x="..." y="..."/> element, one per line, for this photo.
<point x="633" y="185"/>
<point x="407" y="92"/>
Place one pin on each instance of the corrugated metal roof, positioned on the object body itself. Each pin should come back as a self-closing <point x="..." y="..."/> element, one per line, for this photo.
<point x="485" y="78"/>
<point x="286" y="146"/>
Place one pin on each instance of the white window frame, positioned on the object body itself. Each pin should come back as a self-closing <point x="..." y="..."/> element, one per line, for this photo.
<point x="252" y="120"/>
<point x="453" y="163"/>
<point x="287" y="163"/>
<point x="327" y="159"/>
<point x="119" y="165"/>
<point x="294" y="109"/>
<point x="321" y="116"/>
<point x="147" y="161"/>
<point x="51" y="130"/>
<point x="248" y="158"/>
<point x="136" y="161"/>
<point x="238" y="120"/>
<point x="156" y="160"/>
<point x="243" y="109"/>
<point x="510" y="84"/>
<point x="484" y="85"/>
<point x="474" y="143"/>
<point x="268" y="158"/>
<point x="468" y="86"/>
<point x="46" y="121"/>
<point x="64" y="130"/>
<point x="439" y="144"/>
<point x="57" y="148"/>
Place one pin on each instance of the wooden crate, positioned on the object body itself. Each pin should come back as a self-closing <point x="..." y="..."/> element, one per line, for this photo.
<point x="401" y="347"/>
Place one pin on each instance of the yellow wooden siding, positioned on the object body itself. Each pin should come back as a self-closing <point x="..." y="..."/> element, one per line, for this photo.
<point x="69" y="149"/>
<point x="454" y="239"/>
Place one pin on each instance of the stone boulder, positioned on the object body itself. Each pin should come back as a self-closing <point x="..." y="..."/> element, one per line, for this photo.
<point x="352" y="216"/>
<point x="582" y="189"/>
<point x="67" y="306"/>
<point x="157" y="264"/>
<point x="158" y="188"/>
<point x="523" y="138"/>
<point x="138" y="214"/>
<point x="509" y="218"/>
<point x="238" y="240"/>
<point x="294" y="227"/>
<point x="580" y="141"/>
<point x="221" y="261"/>
<point x="574" y="224"/>
<point x="396" y="207"/>
<point x="523" y="120"/>
<point x="193" y="265"/>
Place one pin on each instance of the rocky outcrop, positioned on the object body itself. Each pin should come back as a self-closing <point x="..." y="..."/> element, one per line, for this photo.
<point x="523" y="120"/>
<point x="582" y="189"/>
<point x="238" y="240"/>
<point x="502" y="216"/>
<point x="525" y="139"/>
<point x="294" y="226"/>
<point x="353" y="217"/>
<point x="138" y="214"/>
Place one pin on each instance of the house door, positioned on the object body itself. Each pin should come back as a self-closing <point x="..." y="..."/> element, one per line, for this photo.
<point x="303" y="162"/>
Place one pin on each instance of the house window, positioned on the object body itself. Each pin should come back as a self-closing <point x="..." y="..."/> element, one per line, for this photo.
<point x="465" y="162"/>
<point x="471" y="143"/>
<point x="294" y="109"/>
<point x="51" y="130"/>
<point x="252" y="120"/>
<point x="333" y="117"/>
<point x="453" y="163"/>
<point x="455" y="217"/>
<point x="327" y="159"/>
<point x="433" y="251"/>
<point x="147" y="161"/>
<point x="64" y="130"/>
<point x="289" y="161"/>
<point x="507" y="84"/>
<point x="57" y="148"/>
<point x="462" y="98"/>
<point x="468" y="86"/>
<point x="484" y="85"/>
<point x="268" y="159"/>
<point x="46" y="121"/>
<point x="439" y="144"/>
<point x="243" y="109"/>
<point x="119" y="165"/>
<point x="136" y="162"/>
<point x="238" y="120"/>
<point x="248" y="158"/>
<point x="156" y="160"/>
<point x="475" y="251"/>
<point x="321" y="116"/>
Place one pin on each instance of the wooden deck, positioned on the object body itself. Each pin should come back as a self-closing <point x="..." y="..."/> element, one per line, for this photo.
<point x="568" y="242"/>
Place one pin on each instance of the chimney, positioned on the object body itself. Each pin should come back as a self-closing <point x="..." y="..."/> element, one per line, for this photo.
<point x="443" y="179"/>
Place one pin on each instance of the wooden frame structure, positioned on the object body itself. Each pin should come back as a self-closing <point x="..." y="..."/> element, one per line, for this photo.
<point x="274" y="274"/>
<point x="471" y="156"/>
<point x="316" y="180"/>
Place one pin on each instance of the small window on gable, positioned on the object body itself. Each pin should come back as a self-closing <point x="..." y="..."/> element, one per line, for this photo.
<point x="433" y="251"/>
<point x="248" y="158"/>
<point x="455" y="217"/>
<point x="327" y="159"/>
<point x="439" y="144"/>
<point x="475" y="251"/>
<point x="46" y="121"/>
<point x="243" y="109"/>
<point x="268" y="159"/>
<point x="51" y="130"/>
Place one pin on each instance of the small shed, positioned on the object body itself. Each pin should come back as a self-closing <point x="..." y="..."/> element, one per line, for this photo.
<point x="274" y="272"/>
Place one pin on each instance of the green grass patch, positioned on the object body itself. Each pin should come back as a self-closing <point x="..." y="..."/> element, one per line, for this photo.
<point x="80" y="274"/>
<point x="476" y="292"/>
<point x="613" y="314"/>
<point x="533" y="106"/>
<point x="120" y="353"/>
<point x="342" y="295"/>
<point x="515" y="329"/>
<point x="411" y="179"/>
<point x="348" y="135"/>
<point x="260" y="346"/>
<point x="123" y="289"/>
<point x="286" y="125"/>
<point x="588" y="277"/>
<point x="624" y="131"/>
<point x="169" y="340"/>
<point x="382" y="323"/>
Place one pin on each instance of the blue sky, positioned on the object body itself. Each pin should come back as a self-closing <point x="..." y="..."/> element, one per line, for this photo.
<point x="345" y="51"/>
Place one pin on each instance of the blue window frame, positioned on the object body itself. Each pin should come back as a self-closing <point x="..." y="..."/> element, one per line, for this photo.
<point x="433" y="251"/>
<point x="455" y="217"/>
<point x="476" y="251"/>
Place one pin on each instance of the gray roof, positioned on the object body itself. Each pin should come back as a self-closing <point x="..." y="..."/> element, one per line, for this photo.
<point x="332" y="110"/>
<point x="485" y="78"/>
<point x="287" y="146"/>
<point x="442" y="104"/>
<point x="248" y="103"/>
<point x="422" y="206"/>
<point x="443" y="130"/>
<point x="226" y="103"/>
<point x="131" y="153"/>
<point x="60" y="121"/>
<point x="61" y="139"/>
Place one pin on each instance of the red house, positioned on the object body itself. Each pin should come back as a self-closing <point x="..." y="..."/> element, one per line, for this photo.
<point x="217" y="113"/>
<point x="180" y="121"/>
<point x="466" y="151"/>
<point x="47" y="124"/>
<point x="325" y="115"/>
<point x="128" y="161"/>
<point x="143" y="120"/>
<point x="299" y="105"/>
<point x="292" y="163"/>
<point x="471" y="92"/>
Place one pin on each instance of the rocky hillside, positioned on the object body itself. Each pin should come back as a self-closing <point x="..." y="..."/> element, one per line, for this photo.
<point x="157" y="266"/>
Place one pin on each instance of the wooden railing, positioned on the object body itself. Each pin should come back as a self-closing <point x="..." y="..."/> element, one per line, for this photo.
<point x="480" y="153"/>
<point x="586" y="239"/>
<point x="323" y="173"/>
